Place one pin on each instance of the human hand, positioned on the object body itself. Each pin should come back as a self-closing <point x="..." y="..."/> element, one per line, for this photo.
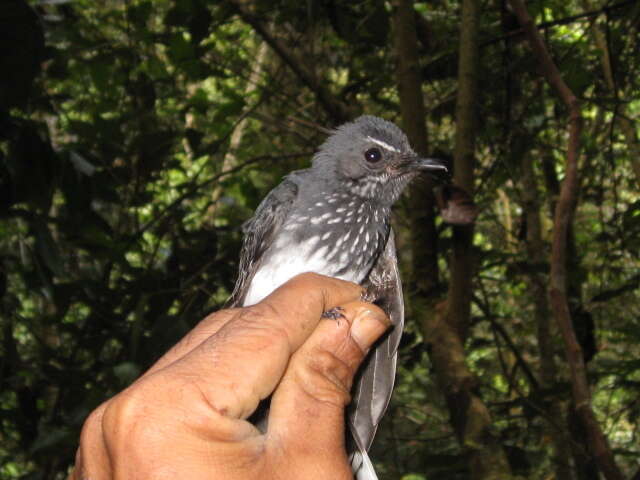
<point x="186" y="416"/>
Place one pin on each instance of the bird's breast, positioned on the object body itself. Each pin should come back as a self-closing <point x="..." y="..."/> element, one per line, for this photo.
<point x="345" y="248"/>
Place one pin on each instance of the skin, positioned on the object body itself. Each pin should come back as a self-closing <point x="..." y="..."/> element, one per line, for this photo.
<point x="186" y="416"/>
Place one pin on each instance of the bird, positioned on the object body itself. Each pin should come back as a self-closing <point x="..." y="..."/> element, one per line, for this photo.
<point x="334" y="219"/>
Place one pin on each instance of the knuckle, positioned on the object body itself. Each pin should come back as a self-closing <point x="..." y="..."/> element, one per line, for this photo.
<point x="258" y="312"/>
<point x="92" y="428"/>
<point x="328" y="364"/>
<point x="262" y="321"/>
<point x="327" y="378"/>
<point x="313" y="284"/>
<point x="310" y="277"/>
<point x="124" y="416"/>
<point x="94" y="419"/>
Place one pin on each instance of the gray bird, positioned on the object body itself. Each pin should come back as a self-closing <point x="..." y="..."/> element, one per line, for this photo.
<point x="333" y="219"/>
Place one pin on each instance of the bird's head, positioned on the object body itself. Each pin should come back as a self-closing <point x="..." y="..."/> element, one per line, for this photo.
<point x="373" y="157"/>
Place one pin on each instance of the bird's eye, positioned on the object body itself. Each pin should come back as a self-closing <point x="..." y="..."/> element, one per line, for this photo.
<point x="373" y="155"/>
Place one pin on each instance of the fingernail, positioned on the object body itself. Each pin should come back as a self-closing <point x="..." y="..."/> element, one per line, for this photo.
<point x="367" y="327"/>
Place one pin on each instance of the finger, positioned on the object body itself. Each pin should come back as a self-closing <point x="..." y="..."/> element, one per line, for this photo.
<point x="307" y="409"/>
<point x="245" y="360"/>
<point x="302" y="300"/>
<point x="202" y="331"/>
<point x="214" y="322"/>
<point x="92" y="459"/>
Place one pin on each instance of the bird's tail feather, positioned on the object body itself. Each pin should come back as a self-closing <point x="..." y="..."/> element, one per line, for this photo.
<point x="362" y="466"/>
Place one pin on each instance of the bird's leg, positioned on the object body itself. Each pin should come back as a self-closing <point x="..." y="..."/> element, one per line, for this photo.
<point x="370" y="295"/>
<point x="377" y="293"/>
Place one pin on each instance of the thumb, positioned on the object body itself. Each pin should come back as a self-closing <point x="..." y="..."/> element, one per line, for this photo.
<point x="306" y="421"/>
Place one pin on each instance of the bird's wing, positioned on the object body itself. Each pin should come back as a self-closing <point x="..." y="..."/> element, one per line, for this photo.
<point x="259" y="232"/>
<point x="374" y="384"/>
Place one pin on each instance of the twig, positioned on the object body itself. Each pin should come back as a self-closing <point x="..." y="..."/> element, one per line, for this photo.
<point x="559" y="21"/>
<point x="336" y="110"/>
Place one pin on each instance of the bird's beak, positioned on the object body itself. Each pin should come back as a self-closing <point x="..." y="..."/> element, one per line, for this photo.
<point x="431" y="165"/>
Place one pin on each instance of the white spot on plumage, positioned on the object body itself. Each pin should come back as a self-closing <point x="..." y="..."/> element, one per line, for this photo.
<point x="334" y="220"/>
<point x="325" y="235"/>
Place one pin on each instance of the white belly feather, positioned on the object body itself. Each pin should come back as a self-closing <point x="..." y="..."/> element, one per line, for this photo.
<point x="287" y="261"/>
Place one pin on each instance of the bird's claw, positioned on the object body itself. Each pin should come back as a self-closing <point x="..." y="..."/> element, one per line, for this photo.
<point x="334" y="314"/>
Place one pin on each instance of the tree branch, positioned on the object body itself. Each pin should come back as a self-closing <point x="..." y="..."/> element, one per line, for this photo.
<point x="336" y="110"/>
<point x="559" y="21"/>
<point x="564" y="212"/>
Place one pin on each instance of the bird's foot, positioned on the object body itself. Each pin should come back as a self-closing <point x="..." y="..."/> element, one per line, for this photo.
<point x="334" y="314"/>
<point x="371" y="294"/>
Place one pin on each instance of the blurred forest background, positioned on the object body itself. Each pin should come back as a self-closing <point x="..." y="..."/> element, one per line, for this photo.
<point x="136" y="136"/>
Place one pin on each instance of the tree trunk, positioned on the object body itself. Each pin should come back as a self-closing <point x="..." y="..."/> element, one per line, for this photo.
<point x="424" y="244"/>
<point x="626" y="124"/>
<point x="564" y="212"/>
<point x="538" y="283"/>
<point x="469" y="416"/>
<point x="583" y="464"/>
<point x="459" y="297"/>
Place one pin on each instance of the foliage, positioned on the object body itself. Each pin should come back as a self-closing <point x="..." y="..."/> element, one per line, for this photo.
<point x="136" y="137"/>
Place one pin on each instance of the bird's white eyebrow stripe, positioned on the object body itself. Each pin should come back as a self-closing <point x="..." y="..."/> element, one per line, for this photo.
<point x="383" y="144"/>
